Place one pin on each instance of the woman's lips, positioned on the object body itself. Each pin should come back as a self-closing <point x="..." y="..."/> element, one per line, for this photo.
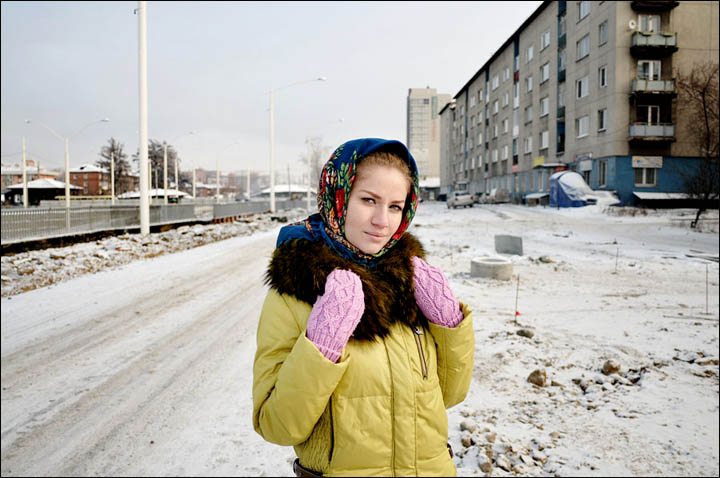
<point x="375" y="236"/>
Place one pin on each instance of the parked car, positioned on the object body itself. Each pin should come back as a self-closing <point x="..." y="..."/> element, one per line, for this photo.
<point x="459" y="198"/>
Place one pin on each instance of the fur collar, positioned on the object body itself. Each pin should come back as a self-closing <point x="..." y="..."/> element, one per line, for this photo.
<point x="299" y="268"/>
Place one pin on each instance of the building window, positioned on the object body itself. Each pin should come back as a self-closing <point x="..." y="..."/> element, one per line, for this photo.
<point x="645" y="177"/>
<point x="505" y="152"/>
<point x="480" y="95"/>
<point x="649" y="114"/>
<point x="514" y="148"/>
<point x="496" y="82"/>
<point x="602" y="76"/>
<point x="487" y="91"/>
<point x="480" y="138"/>
<point x="544" y="139"/>
<point x="544" y="106"/>
<point x="528" y="83"/>
<point x="495" y="130"/>
<point x="561" y="95"/>
<point x="480" y="117"/>
<point x="495" y="107"/>
<point x="649" y="23"/>
<point x="582" y="125"/>
<point x="602" y="173"/>
<point x="495" y="155"/>
<point x="603" y="33"/>
<point x="582" y="87"/>
<point x="602" y="119"/>
<point x="583" y="47"/>
<point x="505" y="125"/>
<point x="530" y="53"/>
<point x="545" y="72"/>
<point x="472" y="101"/>
<point x="528" y="144"/>
<point x="583" y="9"/>
<point x="561" y="59"/>
<point x="649" y="69"/>
<point x="528" y="114"/>
<point x="561" y="26"/>
<point x="544" y="40"/>
<point x="507" y="74"/>
<point x="516" y="95"/>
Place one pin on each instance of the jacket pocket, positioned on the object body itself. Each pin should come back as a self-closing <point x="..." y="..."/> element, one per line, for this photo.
<point x="423" y="363"/>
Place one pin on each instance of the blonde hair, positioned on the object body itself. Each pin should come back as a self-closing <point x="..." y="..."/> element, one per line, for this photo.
<point x="384" y="158"/>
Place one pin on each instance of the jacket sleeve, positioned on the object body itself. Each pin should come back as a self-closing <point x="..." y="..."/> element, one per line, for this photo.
<point x="455" y="352"/>
<point x="292" y="380"/>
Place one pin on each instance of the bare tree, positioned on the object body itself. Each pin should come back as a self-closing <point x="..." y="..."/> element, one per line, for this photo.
<point x="698" y="101"/>
<point x="315" y="156"/>
<point x="156" y="162"/>
<point x="122" y="166"/>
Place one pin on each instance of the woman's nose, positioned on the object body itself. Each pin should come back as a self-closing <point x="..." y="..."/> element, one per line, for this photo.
<point x="379" y="217"/>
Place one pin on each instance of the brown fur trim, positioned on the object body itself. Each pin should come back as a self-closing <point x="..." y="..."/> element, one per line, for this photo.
<point x="299" y="268"/>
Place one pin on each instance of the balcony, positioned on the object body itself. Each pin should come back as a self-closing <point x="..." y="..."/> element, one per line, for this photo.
<point x="561" y="75"/>
<point x="654" y="5"/>
<point x="642" y="86"/>
<point x="653" y="45"/>
<point x="661" y="133"/>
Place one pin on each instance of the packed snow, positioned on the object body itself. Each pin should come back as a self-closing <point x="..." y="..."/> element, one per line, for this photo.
<point x="144" y="367"/>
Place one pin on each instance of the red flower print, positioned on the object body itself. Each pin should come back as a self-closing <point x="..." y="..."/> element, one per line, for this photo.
<point x="339" y="201"/>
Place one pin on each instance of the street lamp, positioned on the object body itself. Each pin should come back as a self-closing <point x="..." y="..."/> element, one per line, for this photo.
<point x="176" y="164"/>
<point x="272" y="135"/>
<point x="217" y="171"/>
<point x="67" y="154"/>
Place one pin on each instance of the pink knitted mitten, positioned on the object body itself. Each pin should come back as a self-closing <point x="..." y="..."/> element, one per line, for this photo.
<point x="336" y="313"/>
<point x="433" y="295"/>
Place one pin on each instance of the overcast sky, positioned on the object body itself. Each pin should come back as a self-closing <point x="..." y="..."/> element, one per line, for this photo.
<point x="211" y="66"/>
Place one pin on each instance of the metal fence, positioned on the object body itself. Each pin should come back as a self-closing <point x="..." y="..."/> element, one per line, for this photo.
<point x="21" y="224"/>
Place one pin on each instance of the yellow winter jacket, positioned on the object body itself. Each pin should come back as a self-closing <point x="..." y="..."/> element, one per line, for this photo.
<point x="379" y="411"/>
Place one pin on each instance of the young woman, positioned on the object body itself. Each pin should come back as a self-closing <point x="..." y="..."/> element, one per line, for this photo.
<point x="361" y="345"/>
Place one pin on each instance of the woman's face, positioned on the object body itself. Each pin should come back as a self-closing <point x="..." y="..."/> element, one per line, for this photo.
<point x="375" y="208"/>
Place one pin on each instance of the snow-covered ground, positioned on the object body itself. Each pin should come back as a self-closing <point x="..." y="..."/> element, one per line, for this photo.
<point x="145" y="367"/>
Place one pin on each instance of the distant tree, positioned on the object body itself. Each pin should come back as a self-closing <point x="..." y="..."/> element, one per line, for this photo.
<point x="122" y="166"/>
<point x="698" y="101"/>
<point x="156" y="154"/>
<point x="315" y="156"/>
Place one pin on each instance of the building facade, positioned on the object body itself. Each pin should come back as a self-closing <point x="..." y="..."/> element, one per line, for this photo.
<point x="93" y="180"/>
<point x="14" y="175"/>
<point x="423" y="130"/>
<point x="582" y="85"/>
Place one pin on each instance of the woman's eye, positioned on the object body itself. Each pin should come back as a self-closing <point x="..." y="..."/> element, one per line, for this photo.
<point x="395" y="207"/>
<point x="369" y="200"/>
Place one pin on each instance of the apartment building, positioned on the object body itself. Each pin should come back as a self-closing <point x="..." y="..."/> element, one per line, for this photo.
<point x="13" y="174"/>
<point x="582" y="85"/>
<point x="423" y="132"/>
<point x="95" y="181"/>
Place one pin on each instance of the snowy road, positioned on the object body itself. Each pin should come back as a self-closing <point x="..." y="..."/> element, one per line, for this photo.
<point x="139" y="369"/>
<point x="146" y="369"/>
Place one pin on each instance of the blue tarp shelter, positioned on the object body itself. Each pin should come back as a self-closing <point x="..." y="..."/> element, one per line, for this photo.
<point x="568" y="189"/>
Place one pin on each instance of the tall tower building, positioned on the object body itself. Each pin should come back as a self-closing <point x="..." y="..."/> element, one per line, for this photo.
<point x="423" y="131"/>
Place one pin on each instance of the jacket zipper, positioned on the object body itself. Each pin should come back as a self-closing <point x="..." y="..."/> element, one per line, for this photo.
<point x="423" y="364"/>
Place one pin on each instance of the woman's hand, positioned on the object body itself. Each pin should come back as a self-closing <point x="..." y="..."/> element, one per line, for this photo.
<point x="434" y="296"/>
<point x="336" y="313"/>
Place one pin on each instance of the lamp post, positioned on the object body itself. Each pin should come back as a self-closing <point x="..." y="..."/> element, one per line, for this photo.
<point x="67" y="154"/>
<point x="272" y="135"/>
<point x="176" y="164"/>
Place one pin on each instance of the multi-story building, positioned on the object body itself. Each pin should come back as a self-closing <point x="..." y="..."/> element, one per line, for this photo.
<point x="95" y="181"/>
<point x="423" y="131"/>
<point x="13" y="174"/>
<point x="582" y="85"/>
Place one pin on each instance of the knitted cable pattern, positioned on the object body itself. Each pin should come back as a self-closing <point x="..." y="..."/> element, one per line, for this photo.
<point x="336" y="313"/>
<point x="434" y="296"/>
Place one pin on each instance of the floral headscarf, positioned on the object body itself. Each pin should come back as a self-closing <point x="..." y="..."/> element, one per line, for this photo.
<point x="336" y="180"/>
